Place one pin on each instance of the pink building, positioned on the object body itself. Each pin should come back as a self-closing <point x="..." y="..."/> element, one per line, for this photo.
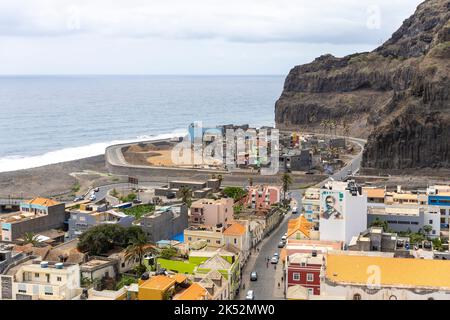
<point x="262" y="197"/>
<point x="212" y="212"/>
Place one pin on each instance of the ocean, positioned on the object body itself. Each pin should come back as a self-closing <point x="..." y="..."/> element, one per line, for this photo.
<point x="51" y="119"/>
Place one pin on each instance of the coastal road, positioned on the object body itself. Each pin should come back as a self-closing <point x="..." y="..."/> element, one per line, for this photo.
<point x="351" y="168"/>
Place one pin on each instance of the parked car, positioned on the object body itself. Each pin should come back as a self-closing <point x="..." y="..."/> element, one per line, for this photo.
<point x="281" y="244"/>
<point x="274" y="260"/>
<point x="97" y="189"/>
<point x="253" y="276"/>
<point x="250" y="295"/>
<point x="171" y="195"/>
<point x="294" y="210"/>
<point x="92" y="197"/>
<point x="78" y="199"/>
<point x="284" y="238"/>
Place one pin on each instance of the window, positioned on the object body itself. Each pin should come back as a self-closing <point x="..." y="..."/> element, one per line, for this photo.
<point x="123" y="264"/>
<point x="430" y="221"/>
<point x="356" y="296"/>
<point x="311" y="291"/>
<point x="48" y="290"/>
<point x="392" y="297"/>
<point x="58" y="279"/>
<point x="36" y="275"/>
<point x="310" y="277"/>
<point x="22" y="288"/>
<point x="296" y="276"/>
<point x="235" y="240"/>
<point x="218" y="241"/>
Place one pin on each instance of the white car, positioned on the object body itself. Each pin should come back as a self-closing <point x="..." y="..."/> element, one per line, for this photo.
<point x="283" y="238"/>
<point x="250" y="295"/>
<point x="274" y="260"/>
<point x="92" y="197"/>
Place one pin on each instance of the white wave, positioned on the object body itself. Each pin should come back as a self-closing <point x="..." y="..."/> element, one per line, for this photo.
<point x="13" y="163"/>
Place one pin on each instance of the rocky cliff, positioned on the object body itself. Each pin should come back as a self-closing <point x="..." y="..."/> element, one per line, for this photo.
<point x="397" y="95"/>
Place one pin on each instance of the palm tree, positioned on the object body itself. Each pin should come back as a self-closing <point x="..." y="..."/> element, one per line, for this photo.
<point x="137" y="249"/>
<point x="286" y="181"/>
<point x="30" y="237"/>
<point x="427" y="229"/>
<point x="186" y="195"/>
<point x="323" y="124"/>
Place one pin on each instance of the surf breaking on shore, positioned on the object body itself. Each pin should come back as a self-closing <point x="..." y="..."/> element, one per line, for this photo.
<point x="13" y="163"/>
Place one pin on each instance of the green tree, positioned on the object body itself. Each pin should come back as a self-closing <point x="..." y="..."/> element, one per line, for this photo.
<point x="129" y="198"/>
<point x="139" y="211"/>
<point x="114" y="193"/>
<point x="125" y="281"/>
<point x="30" y="237"/>
<point x="286" y="182"/>
<point x="427" y="229"/>
<point x="380" y="223"/>
<point x="236" y="193"/>
<point x="168" y="253"/>
<point x="186" y="196"/>
<point x="137" y="249"/>
<point x="102" y="238"/>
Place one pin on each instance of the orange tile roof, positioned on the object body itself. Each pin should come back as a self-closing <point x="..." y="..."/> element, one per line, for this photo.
<point x="159" y="282"/>
<point x="179" y="278"/>
<point x="236" y="229"/>
<point x="346" y="268"/>
<point x="374" y="193"/>
<point x="194" y="292"/>
<point x="43" y="202"/>
<point x="300" y="224"/>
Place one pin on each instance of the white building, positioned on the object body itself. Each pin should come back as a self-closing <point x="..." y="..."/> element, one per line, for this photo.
<point x="42" y="281"/>
<point x="343" y="211"/>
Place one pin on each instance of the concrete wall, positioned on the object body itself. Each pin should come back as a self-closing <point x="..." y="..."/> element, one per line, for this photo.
<point x="165" y="225"/>
<point x="53" y="220"/>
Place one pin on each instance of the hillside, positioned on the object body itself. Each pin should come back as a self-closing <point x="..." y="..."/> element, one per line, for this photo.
<point x="396" y="96"/>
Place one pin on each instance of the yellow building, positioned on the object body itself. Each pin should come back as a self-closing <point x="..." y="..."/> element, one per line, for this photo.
<point x="359" y="276"/>
<point x="212" y="235"/>
<point x="159" y="287"/>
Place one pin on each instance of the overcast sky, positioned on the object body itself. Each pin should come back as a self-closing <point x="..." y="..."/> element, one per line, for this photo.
<point x="188" y="36"/>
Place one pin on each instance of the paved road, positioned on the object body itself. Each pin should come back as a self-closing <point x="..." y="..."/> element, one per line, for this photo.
<point x="350" y="169"/>
<point x="266" y="287"/>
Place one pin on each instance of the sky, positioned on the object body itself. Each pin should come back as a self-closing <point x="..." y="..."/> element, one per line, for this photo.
<point x="188" y="36"/>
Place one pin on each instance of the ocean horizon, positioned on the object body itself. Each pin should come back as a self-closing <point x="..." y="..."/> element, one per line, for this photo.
<point x="50" y="119"/>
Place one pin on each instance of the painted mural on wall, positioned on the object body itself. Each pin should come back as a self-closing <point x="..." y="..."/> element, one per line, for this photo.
<point x="331" y="205"/>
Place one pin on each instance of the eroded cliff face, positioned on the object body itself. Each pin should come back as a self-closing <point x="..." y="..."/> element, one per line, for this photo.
<point x="397" y="96"/>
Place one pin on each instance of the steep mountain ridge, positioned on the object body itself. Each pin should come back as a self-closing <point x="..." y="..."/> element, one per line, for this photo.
<point x="397" y="95"/>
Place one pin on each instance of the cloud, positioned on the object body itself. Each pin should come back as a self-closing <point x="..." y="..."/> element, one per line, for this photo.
<point x="252" y="21"/>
